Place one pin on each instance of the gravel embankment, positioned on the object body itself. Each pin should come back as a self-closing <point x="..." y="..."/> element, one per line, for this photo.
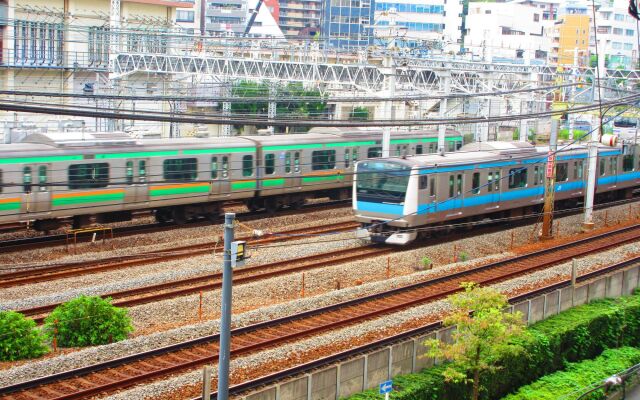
<point x="477" y="246"/>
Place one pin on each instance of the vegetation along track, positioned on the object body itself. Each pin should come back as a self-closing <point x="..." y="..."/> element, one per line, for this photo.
<point x="163" y="291"/>
<point x="63" y="270"/>
<point x="37" y="242"/>
<point x="139" y="368"/>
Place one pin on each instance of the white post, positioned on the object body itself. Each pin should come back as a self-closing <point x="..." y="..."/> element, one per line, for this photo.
<point x="390" y="81"/>
<point x="523" y="124"/>
<point x="442" y="128"/>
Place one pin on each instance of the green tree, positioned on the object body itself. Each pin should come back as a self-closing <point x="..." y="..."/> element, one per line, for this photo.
<point x="19" y="337"/>
<point x="86" y="321"/>
<point x="484" y="333"/>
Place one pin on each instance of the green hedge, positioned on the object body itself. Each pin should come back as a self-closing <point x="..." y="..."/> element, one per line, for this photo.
<point x="579" y="333"/>
<point x="19" y="337"/>
<point x="579" y="375"/>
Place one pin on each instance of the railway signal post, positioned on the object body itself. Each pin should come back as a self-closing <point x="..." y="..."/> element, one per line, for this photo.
<point x="225" y="317"/>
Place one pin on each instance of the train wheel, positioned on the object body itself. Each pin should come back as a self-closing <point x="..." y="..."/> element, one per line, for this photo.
<point x="270" y="206"/>
<point x="179" y="216"/>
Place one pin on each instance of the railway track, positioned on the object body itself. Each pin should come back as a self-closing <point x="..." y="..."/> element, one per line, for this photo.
<point x="163" y="291"/>
<point x="13" y="245"/>
<point x="142" y="367"/>
<point x="63" y="270"/>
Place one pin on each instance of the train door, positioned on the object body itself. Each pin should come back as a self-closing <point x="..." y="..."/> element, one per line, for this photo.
<point x="292" y="169"/>
<point x="220" y="185"/>
<point x="141" y="177"/>
<point x="36" y="188"/>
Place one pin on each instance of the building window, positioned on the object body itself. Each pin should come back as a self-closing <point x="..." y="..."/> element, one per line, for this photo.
<point x="184" y="16"/>
<point x="247" y="165"/>
<point x="180" y="169"/>
<point x="323" y="159"/>
<point x="88" y="176"/>
<point x="536" y="17"/>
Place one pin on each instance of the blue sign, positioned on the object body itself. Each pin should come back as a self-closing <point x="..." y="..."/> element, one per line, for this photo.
<point x="386" y="387"/>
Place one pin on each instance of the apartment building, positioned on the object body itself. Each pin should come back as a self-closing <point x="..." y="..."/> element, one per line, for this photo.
<point x="570" y="35"/>
<point x="348" y="23"/>
<point x="617" y="35"/>
<point x="300" y="18"/>
<point x="506" y="33"/>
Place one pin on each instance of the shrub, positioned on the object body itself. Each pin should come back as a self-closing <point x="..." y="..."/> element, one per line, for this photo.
<point x="463" y="256"/>
<point x="86" y="321"/>
<point x="579" y="375"/>
<point x="19" y="337"/>
<point x="577" y="334"/>
<point x="426" y="262"/>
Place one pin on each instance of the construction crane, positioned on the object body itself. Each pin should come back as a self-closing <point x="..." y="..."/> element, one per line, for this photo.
<point x="252" y="18"/>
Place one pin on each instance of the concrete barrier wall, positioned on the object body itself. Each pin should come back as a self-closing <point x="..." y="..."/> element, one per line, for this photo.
<point x="369" y="370"/>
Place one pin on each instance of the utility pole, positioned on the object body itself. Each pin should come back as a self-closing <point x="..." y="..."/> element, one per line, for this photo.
<point x="390" y="82"/>
<point x="442" y="128"/>
<point x="225" y="318"/>
<point x="549" y="186"/>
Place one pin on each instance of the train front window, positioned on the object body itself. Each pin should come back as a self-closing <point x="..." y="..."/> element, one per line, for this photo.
<point x="382" y="181"/>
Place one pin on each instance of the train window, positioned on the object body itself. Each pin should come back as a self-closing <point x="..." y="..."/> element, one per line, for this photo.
<point x="287" y="163"/>
<point x="247" y="165"/>
<point x="142" y="171"/>
<point x="451" y="146"/>
<point x="562" y="172"/>
<point x="354" y="155"/>
<point x="458" y="145"/>
<point x="269" y="164"/>
<point x="490" y="182"/>
<point x="496" y="181"/>
<point x="517" y="178"/>
<point x="451" y="184"/>
<point x="579" y="169"/>
<point x="419" y="149"/>
<point x="129" y="172"/>
<point x="432" y="187"/>
<point x="374" y="152"/>
<point x="613" y="165"/>
<point x="475" y="183"/>
<point x="347" y="158"/>
<point x="214" y="167"/>
<point x="26" y="179"/>
<point x="602" y="166"/>
<point x="296" y="162"/>
<point x="459" y="182"/>
<point x="423" y="182"/>
<point x="225" y="167"/>
<point x="398" y="151"/>
<point x="432" y="147"/>
<point x="627" y="163"/>
<point x="180" y="169"/>
<point x="42" y="178"/>
<point x="536" y="175"/>
<point x="323" y="159"/>
<point x="88" y="176"/>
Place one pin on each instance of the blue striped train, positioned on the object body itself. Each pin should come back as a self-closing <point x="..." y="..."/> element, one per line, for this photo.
<point x="393" y="196"/>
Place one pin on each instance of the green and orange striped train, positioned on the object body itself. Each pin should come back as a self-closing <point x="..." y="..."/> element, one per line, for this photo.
<point x="103" y="178"/>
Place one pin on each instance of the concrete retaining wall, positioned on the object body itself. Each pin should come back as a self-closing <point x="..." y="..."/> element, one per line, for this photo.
<point x="369" y="370"/>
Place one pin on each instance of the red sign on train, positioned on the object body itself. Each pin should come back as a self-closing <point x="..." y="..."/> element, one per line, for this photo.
<point x="550" y="161"/>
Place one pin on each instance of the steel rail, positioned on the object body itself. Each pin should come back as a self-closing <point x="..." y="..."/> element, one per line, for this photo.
<point x="449" y="284"/>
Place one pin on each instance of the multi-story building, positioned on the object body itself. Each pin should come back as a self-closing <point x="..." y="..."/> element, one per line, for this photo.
<point x="617" y="36"/>
<point x="570" y="35"/>
<point x="66" y="45"/>
<point x="506" y="32"/>
<point x="348" y="23"/>
<point x="437" y="23"/>
<point x="299" y="17"/>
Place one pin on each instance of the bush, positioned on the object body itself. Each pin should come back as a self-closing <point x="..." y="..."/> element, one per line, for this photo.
<point x="19" y="337"/>
<point x="86" y="321"/>
<point x="426" y="262"/>
<point x="579" y="375"/>
<point x="577" y="334"/>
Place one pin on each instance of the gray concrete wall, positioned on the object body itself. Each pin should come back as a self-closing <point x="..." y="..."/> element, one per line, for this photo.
<point x="370" y="370"/>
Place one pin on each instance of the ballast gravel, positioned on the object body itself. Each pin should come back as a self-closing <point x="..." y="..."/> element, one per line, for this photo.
<point x="474" y="247"/>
